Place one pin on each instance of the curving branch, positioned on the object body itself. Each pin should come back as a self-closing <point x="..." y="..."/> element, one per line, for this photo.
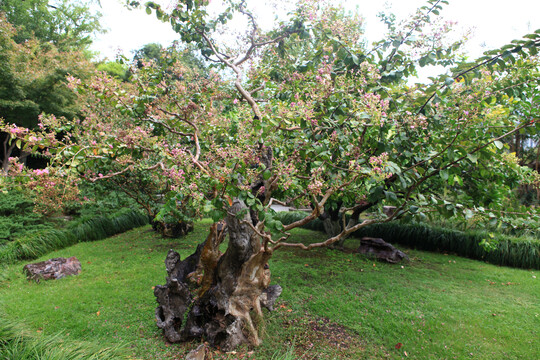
<point x="166" y="126"/>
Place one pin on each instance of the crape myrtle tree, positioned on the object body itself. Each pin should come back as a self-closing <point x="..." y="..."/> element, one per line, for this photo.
<point x="304" y="114"/>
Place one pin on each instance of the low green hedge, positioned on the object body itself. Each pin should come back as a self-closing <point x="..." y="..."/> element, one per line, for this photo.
<point x="37" y="244"/>
<point x="521" y="252"/>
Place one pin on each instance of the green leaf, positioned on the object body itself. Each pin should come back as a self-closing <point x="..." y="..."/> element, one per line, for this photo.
<point x="444" y="175"/>
<point x="216" y="215"/>
<point x="473" y="158"/>
<point x="390" y="195"/>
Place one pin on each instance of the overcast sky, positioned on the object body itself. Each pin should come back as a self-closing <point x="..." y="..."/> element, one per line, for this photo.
<point x="495" y="22"/>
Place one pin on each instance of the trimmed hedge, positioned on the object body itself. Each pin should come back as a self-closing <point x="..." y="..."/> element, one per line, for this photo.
<point x="35" y="245"/>
<point x="520" y="252"/>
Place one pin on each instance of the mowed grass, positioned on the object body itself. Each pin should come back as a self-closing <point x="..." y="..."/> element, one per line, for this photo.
<point x="334" y="305"/>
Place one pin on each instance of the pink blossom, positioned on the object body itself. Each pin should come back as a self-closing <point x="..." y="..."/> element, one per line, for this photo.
<point x="40" y="172"/>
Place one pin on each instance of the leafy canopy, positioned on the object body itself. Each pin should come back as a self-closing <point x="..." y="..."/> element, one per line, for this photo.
<point x="311" y="116"/>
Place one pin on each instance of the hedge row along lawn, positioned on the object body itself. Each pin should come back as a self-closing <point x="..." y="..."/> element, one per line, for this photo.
<point x="343" y="306"/>
<point x="501" y="249"/>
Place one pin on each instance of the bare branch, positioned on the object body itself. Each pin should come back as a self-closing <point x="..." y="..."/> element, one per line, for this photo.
<point x="328" y="241"/>
<point x="166" y="126"/>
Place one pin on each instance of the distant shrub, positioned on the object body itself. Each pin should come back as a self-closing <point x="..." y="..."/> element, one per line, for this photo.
<point x="17" y="217"/>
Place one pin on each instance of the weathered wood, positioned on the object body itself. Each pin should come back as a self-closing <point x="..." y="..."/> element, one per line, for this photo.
<point x="221" y="296"/>
<point x="56" y="268"/>
<point x="380" y="249"/>
<point x="197" y="354"/>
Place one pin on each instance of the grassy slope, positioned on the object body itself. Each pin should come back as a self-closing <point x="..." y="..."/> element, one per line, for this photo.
<point x="334" y="305"/>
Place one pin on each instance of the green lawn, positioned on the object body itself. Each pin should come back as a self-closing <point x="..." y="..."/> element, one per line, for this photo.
<point x="334" y="305"/>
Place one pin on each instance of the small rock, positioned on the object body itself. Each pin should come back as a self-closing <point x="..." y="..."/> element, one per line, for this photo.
<point x="56" y="268"/>
<point x="381" y="250"/>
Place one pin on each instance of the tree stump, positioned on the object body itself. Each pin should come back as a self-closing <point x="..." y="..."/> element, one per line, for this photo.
<point x="172" y="230"/>
<point x="381" y="250"/>
<point x="218" y="296"/>
<point x="56" y="268"/>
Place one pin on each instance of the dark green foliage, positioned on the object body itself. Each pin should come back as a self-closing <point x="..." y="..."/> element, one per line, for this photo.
<point x="101" y="227"/>
<point x="101" y="199"/>
<point x="497" y="249"/>
<point x="35" y="245"/>
<point x="17" y="217"/>
<point x="502" y="250"/>
<point x="150" y="51"/>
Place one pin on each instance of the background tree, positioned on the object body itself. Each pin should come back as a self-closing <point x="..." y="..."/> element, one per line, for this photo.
<point x="68" y="25"/>
<point x="48" y="38"/>
<point x="26" y="94"/>
<point x="186" y="54"/>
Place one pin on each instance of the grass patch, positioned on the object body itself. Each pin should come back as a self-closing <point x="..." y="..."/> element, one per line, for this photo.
<point x="16" y="343"/>
<point x="334" y="305"/>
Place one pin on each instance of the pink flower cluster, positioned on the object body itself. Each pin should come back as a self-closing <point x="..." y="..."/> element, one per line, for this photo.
<point x="40" y="172"/>
<point x="414" y="121"/>
<point x="177" y="175"/>
<point x="378" y="164"/>
<point x="375" y="107"/>
<point x="73" y="82"/>
<point x="17" y="131"/>
<point x="315" y="187"/>
<point x="379" y="160"/>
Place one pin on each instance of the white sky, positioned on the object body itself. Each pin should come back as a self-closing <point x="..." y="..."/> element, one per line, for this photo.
<point x="495" y="23"/>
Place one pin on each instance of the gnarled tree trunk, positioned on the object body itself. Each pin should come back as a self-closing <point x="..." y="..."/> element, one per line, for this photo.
<point x="333" y="221"/>
<point x="218" y="296"/>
